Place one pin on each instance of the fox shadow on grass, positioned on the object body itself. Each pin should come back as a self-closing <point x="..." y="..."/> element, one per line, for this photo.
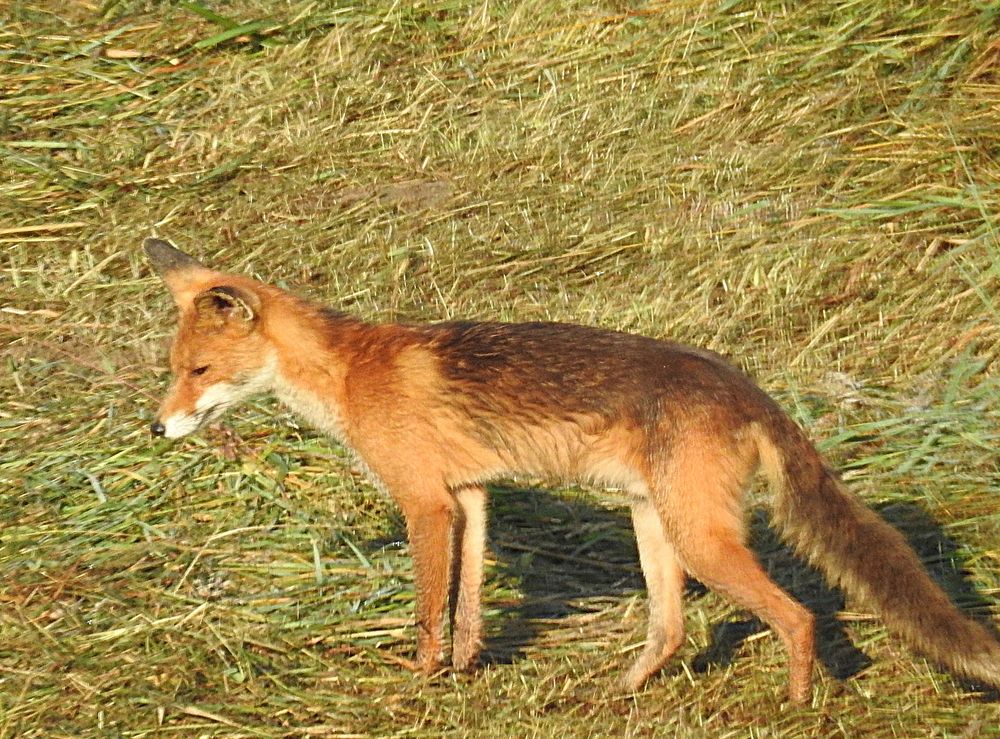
<point x="561" y="550"/>
<point x="558" y="550"/>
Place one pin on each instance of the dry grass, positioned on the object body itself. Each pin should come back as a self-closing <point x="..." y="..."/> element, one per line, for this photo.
<point x="809" y="188"/>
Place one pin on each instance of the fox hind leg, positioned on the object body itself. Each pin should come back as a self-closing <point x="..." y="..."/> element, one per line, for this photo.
<point x="726" y="566"/>
<point x="703" y="511"/>
<point x="665" y="588"/>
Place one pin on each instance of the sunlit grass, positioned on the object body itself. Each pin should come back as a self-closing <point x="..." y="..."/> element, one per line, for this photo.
<point x="810" y="189"/>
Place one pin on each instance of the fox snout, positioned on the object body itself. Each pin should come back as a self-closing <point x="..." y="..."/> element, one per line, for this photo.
<point x="181" y="423"/>
<point x="178" y="416"/>
<point x="177" y="425"/>
<point x="190" y="405"/>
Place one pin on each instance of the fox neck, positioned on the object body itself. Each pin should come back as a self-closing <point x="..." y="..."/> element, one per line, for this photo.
<point x="314" y="354"/>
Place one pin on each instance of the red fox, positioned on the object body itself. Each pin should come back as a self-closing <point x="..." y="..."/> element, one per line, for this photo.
<point x="435" y="412"/>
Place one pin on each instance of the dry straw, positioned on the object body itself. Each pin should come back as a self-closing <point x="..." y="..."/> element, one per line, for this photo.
<point x="809" y="188"/>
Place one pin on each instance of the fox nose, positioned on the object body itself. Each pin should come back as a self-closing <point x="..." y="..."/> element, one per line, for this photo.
<point x="157" y="429"/>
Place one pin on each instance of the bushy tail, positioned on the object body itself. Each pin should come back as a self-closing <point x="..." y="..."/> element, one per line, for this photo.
<point x="869" y="559"/>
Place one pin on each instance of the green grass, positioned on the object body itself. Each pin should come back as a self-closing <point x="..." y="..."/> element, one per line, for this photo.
<point x="808" y="188"/>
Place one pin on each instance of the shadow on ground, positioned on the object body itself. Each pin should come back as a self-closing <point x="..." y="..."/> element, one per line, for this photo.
<point x="560" y="551"/>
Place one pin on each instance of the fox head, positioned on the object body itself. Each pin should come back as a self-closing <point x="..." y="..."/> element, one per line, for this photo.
<point x="220" y="354"/>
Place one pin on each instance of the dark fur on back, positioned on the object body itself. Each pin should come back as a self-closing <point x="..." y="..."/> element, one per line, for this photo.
<point x="546" y="370"/>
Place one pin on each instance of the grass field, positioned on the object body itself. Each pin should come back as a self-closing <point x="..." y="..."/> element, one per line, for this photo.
<point x="811" y="189"/>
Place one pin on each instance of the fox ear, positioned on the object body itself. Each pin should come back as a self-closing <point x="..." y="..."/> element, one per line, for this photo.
<point x="165" y="258"/>
<point x="226" y="304"/>
<point x="180" y="273"/>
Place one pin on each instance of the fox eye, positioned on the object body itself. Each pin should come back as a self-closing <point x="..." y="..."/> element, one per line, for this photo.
<point x="199" y="370"/>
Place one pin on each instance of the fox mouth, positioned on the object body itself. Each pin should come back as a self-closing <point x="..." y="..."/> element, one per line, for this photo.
<point x="211" y="413"/>
<point x="177" y="426"/>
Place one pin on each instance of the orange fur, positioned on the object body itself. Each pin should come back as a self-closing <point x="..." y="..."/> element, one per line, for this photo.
<point x="435" y="412"/>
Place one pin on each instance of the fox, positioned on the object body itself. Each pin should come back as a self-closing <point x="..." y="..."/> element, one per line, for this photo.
<point x="436" y="412"/>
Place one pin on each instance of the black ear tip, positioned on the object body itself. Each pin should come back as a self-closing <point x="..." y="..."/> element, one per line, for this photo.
<point x="165" y="257"/>
<point x="157" y="247"/>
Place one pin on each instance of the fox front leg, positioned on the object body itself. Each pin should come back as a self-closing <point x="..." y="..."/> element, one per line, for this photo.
<point x="429" y="522"/>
